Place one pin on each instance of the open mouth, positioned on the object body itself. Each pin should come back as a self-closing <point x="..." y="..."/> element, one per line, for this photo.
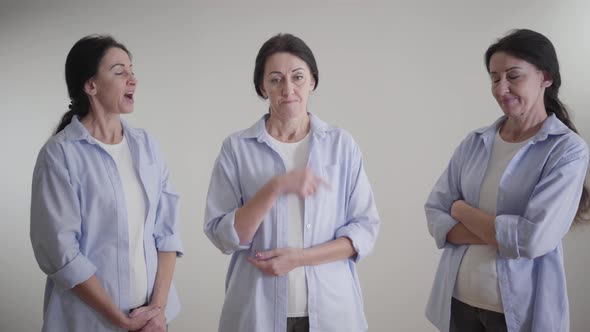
<point x="129" y="96"/>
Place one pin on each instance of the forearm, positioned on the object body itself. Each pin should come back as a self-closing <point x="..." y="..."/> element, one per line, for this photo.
<point x="480" y="223"/>
<point x="250" y="215"/>
<point x="92" y="292"/>
<point x="459" y="234"/>
<point x="166" y="265"/>
<point x="331" y="251"/>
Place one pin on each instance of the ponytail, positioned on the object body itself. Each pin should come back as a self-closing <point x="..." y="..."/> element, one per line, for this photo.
<point x="75" y="108"/>
<point x="554" y="106"/>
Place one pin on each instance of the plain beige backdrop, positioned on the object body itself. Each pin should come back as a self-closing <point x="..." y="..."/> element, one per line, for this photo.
<point x="406" y="78"/>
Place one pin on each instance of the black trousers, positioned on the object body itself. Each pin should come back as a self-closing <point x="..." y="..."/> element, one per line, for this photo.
<point x="465" y="318"/>
<point x="297" y="324"/>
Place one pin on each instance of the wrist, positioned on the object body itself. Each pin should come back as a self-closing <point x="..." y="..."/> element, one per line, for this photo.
<point x="121" y="320"/>
<point x="158" y="302"/>
<point x="303" y="257"/>
<point x="276" y="185"/>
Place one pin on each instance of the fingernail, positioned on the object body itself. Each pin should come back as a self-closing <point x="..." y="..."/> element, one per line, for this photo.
<point x="258" y="255"/>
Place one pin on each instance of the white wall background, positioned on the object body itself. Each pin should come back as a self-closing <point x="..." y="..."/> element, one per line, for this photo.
<point x="406" y="78"/>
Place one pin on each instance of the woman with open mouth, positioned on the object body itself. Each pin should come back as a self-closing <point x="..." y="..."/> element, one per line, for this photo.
<point x="104" y="215"/>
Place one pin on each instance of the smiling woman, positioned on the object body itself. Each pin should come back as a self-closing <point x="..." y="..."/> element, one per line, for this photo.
<point x="106" y="249"/>
<point x="506" y="200"/>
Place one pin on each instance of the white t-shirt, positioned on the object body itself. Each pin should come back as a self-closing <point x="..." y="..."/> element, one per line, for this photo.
<point x="135" y="201"/>
<point x="295" y="156"/>
<point x="477" y="279"/>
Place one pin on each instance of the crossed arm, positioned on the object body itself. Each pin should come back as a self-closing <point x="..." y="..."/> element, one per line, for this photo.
<point x="474" y="227"/>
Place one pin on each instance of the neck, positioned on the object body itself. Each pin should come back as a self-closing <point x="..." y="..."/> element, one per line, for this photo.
<point x="518" y="129"/>
<point x="288" y="130"/>
<point x="103" y="126"/>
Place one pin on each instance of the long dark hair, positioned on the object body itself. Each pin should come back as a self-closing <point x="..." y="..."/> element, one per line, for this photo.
<point x="538" y="50"/>
<point x="81" y="65"/>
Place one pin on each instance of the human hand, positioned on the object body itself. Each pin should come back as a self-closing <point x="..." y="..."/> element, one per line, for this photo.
<point x="301" y="182"/>
<point x="279" y="261"/>
<point x="140" y="317"/>
<point x="457" y="208"/>
<point x="156" y="324"/>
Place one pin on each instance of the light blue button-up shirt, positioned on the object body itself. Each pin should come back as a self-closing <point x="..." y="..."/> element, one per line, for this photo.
<point x="258" y="302"/>
<point x="79" y="224"/>
<point x="537" y="200"/>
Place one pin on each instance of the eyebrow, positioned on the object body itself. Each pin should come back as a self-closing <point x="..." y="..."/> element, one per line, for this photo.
<point x="119" y="64"/>
<point x="278" y="72"/>
<point x="509" y="69"/>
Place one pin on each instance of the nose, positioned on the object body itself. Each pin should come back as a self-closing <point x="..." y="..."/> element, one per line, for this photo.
<point x="501" y="87"/>
<point x="132" y="80"/>
<point x="287" y="88"/>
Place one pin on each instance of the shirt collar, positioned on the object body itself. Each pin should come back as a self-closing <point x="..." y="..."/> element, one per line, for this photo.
<point x="551" y="126"/>
<point x="75" y="131"/>
<point x="318" y="129"/>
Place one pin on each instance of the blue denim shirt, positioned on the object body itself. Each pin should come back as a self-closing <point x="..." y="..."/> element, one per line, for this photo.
<point x="257" y="302"/>
<point x="79" y="224"/>
<point x="538" y="197"/>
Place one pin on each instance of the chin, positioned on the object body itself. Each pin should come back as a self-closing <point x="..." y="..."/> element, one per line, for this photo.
<point x="513" y="113"/>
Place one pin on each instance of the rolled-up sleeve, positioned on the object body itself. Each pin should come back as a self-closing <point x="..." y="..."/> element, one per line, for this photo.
<point x="549" y="212"/>
<point x="446" y="191"/>
<point x="223" y="199"/>
<point x="55" y="226"/>
<point x="362" y="226"/>
<point x="167" y="228"/>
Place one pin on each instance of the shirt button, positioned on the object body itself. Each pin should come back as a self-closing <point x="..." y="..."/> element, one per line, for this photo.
<point x="308" y="226"/>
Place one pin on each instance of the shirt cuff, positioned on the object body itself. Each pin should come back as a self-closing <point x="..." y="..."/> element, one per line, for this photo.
<point x="75" y="272"/>
<point x="439" y="225"/>
<point x="357" y="243"/>
<point x="228" y="236"/>
<point x="507" y="235"/>
<point x="170" y="243"/>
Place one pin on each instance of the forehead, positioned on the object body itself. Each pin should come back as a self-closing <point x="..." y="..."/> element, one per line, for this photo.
<point x="284" y="62"/>
<point x="502" y="61"/>
<point x="115" y="55"/>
